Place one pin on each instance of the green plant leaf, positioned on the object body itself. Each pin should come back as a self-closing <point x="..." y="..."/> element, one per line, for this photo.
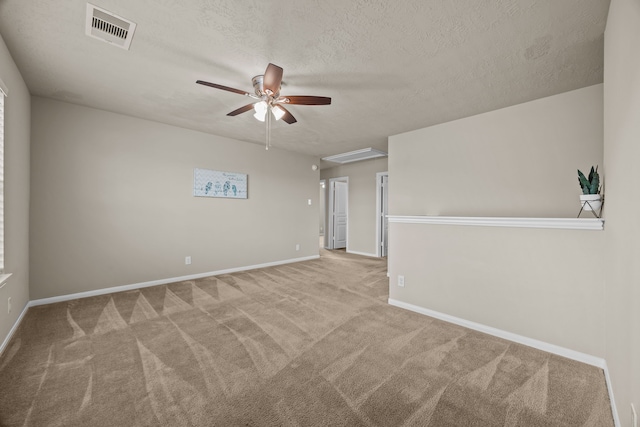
<point x="584" y="183"/>
<point x="595" y="184"/>
<point x="591" y="174"/>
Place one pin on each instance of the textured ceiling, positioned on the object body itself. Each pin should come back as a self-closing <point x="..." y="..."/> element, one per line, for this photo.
<point x="390" y="66"/>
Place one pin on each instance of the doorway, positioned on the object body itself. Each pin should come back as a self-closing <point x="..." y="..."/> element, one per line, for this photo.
<point x="338" y="228"/>
<point x="382" y="210"/>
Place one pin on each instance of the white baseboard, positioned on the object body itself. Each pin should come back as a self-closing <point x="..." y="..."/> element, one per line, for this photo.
<point x="362" y="253"/>
<point x="540" y="345"/>
<point x="614" y="410"/>
<point x="14" y="328"/>
<point x="122" y="288"/>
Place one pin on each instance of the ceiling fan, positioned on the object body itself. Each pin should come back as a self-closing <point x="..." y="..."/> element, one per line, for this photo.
<point x="268" y="98"/>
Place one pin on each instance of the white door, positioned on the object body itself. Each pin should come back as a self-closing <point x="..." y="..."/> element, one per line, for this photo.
<point x="384" y="222"/>
<point x="340" y="215"/>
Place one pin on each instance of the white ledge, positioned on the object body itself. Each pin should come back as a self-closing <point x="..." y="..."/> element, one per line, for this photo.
<point x="3" y="279"/>
<point x="562" y="223"/>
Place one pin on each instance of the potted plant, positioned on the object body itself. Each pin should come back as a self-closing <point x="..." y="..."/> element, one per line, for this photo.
<point x="590" y="198"/>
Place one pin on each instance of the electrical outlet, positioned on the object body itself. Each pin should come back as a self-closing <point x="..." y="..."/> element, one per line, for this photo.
<point x="401" y="281"/>
<point x="297" y="246"/>
<point x="634" y="416"/>
<point x="9" y="305"/>
<point x="187" y="260"/>
<point x="309" y="202"/>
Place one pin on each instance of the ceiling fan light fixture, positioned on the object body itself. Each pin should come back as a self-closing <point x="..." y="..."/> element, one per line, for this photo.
<point x="260" y="115"/>
<point x="260" y="107"/>
<point x="277" y="112"/>
<point x="260" y="110"/>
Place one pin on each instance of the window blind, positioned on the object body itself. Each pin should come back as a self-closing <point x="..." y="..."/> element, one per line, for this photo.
<point x="2" y="95"/>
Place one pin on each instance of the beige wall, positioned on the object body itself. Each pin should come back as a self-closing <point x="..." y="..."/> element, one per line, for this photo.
<point x="16" y="192"/>
<point x="112" y="202"/>
<point x="622" y="233"/>
<point x="362" y="201"/>
<point x="518" y="161"/>
<point x="530" y="282"/>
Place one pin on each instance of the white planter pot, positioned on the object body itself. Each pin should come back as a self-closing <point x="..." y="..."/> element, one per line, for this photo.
<point x="591" y="202"/>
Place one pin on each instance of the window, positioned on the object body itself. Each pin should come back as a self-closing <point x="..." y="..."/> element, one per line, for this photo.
<point x="3" y="93"/>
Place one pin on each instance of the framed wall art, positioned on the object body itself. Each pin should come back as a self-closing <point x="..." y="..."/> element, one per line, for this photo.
<point x="210" y="183"/>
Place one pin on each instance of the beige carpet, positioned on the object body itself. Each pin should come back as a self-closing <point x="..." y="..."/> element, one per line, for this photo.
<point x="307" y="344"/>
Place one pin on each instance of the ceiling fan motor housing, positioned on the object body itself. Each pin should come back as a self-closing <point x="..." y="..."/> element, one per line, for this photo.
<point x="258" y="86"/>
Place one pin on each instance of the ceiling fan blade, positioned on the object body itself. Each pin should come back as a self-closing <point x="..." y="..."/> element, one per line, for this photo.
<point x="241" y="110"/>
<point x="272" y="78"/>
<point x="288" y="117"/>
<point x="305" y="100"/>
<point x="227" y="88"/>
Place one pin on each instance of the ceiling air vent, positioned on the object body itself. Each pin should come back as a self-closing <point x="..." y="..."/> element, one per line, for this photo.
<point x="104" y="25"/>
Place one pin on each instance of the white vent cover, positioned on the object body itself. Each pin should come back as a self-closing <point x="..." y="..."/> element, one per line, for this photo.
<point x="354" y="156"/>
<point x="104" y="25"/>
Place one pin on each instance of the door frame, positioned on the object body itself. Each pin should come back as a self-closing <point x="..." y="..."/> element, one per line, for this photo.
<point x="379" y="176"/>
<point x="329" y="243"/>
<point x="323" y="182"/>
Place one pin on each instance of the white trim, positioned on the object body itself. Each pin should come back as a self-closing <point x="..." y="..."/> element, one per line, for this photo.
<point x="14" y="328"/>
<point x="328" y="232"/>
<point x="114" y="289"/>
<point x="362" y="253"/>
<point x="563" y="223"/>
<point x="3" y="279"/>
<point x="614" y="410"/>
<point x="346" y="246"/>
<point x="324" y="225"/>
<point x="379" y="176"/>
<point x="540" y="345"/>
